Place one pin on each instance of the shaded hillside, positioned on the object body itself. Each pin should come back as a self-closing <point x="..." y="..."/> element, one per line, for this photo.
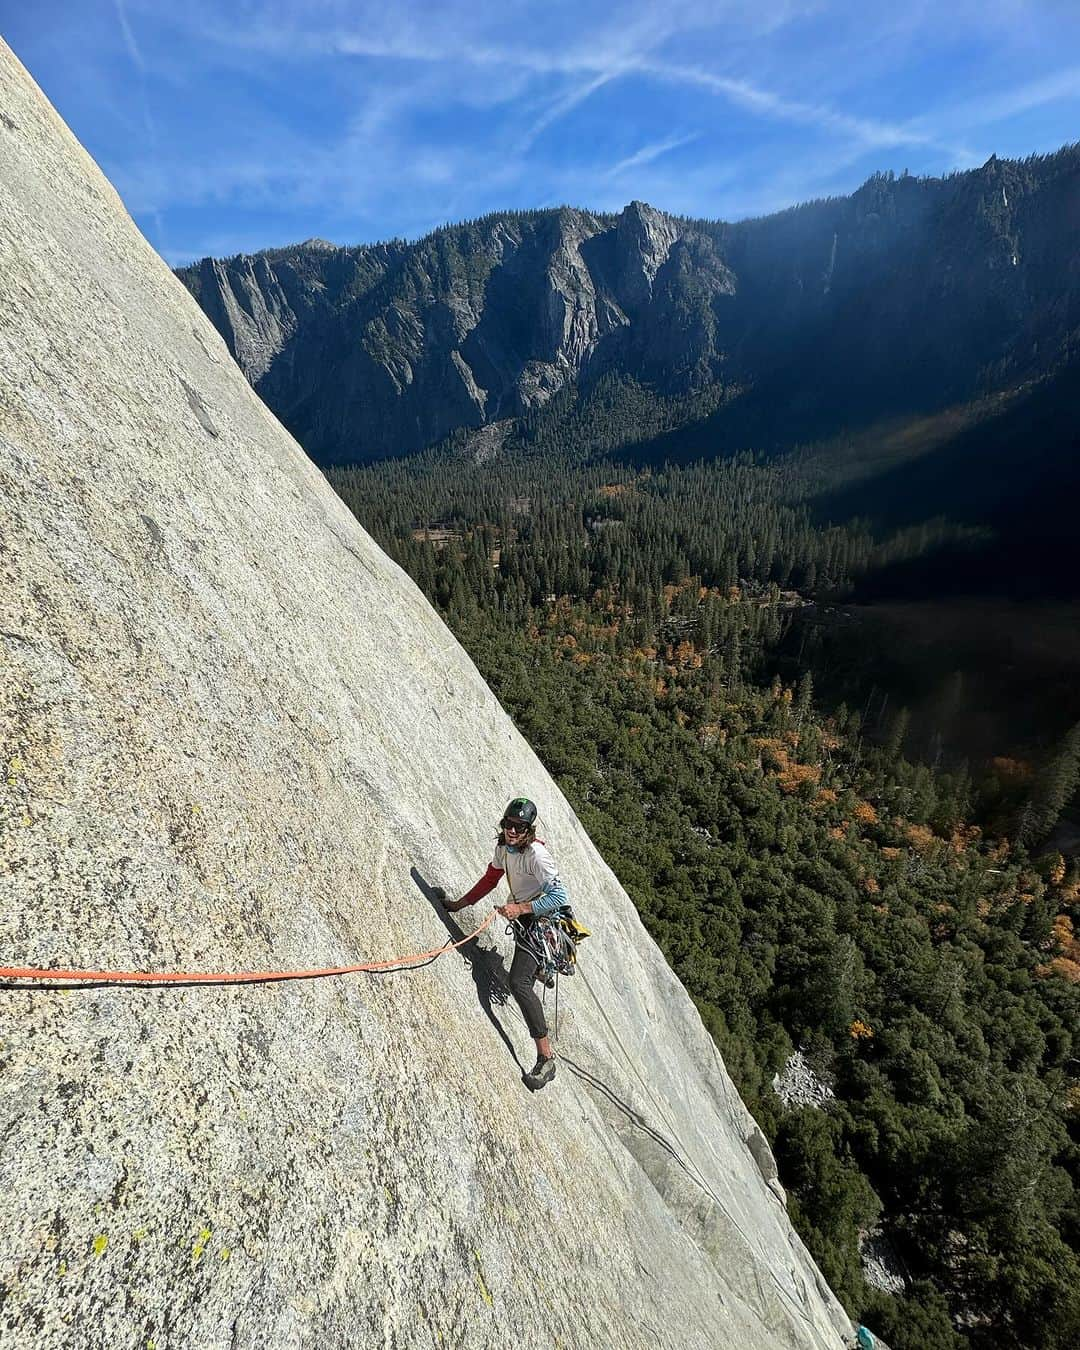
<point x="909" y="295"/>
<point x="1012" y="466"/>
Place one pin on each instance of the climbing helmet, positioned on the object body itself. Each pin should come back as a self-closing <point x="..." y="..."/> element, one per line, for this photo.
<point x="521" y="812"/>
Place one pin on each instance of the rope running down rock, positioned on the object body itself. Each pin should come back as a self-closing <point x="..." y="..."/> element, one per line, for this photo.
<point x="227" y="977"/>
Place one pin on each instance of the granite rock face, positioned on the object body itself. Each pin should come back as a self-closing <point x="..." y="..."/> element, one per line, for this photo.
<point x="365" y="352"/>
<point x="236" y="737"/>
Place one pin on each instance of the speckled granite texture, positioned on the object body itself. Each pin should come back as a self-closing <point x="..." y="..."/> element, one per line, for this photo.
<point x="236" y="736"/>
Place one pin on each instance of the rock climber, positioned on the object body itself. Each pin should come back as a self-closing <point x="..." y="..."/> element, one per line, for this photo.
<point x="535" y="889"/>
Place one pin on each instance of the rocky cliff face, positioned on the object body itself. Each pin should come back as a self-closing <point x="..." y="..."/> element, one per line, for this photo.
<point x="236" y="737"/>
<point x="907" y="295"/>
<point x="373" y="351"/>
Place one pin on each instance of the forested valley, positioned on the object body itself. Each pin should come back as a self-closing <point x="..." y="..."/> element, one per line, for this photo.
<point x="820" y="877"/>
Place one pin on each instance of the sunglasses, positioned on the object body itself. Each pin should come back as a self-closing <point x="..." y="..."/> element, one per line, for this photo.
<point x="516" y="826"/>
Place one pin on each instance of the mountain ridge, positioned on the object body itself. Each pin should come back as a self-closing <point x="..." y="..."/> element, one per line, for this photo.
<point x="907" y="295"/>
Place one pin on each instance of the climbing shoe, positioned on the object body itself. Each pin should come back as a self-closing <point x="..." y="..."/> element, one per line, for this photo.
<point x="543" y="1071"/>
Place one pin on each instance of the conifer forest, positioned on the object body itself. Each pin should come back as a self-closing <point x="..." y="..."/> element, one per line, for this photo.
<point x="828" y="862"/>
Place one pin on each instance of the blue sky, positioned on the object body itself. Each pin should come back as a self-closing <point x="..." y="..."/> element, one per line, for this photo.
<point x="241" y="124"/>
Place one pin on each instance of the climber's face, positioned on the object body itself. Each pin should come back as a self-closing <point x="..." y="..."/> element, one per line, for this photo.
<point x="515" y="830"/>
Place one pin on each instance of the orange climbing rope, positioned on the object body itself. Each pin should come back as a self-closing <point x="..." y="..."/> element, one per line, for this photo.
<point x="242" y="977"/>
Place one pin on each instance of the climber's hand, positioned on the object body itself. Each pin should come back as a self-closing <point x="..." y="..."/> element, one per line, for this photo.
<point x="514" y="910"/>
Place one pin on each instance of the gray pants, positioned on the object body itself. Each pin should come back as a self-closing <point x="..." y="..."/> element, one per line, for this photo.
<point x="523" y="974"/>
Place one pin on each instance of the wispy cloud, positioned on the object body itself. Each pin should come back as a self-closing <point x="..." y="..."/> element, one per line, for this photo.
<point x="986" y="110"/>
<point x="398" y="118"/>
<point x="648" y="153"/>
<point x="129" y="37"/>
<point x="562" y="105"/>
<point x="150" y="126"/>
<point x="870" y="133"/>
<point x="603" y="62"/>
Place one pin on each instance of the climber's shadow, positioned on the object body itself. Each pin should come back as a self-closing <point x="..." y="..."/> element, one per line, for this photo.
<point x="485" y="965"/>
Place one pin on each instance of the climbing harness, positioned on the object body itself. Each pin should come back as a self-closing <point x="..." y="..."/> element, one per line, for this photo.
<point x="551" y="940"/>
<point x="411" y="962"/>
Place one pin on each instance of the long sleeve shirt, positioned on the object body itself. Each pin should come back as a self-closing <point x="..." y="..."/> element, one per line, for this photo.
<point x="530" y="873"/>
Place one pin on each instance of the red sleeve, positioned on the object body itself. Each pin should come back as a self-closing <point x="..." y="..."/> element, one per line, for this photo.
<point x="487" y="883"/>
